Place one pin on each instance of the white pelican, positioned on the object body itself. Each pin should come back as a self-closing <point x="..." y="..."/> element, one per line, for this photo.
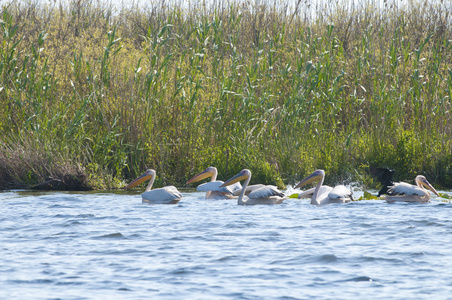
<point x="404" y="192"/>
<point x="324" y="194"/>
<point x="165" y="195"/>
<point x="266" y="194"/>
<point x="212" y="188"/>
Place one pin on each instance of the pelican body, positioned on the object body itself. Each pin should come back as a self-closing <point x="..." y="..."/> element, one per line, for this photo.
<point x="324" y="194"/>
<point x="265" y="194"/>
<point x="212" y="188"/>
<point x="306" y="194"/>
<point x="165" y="195"/>
<point x="404" y="192"/>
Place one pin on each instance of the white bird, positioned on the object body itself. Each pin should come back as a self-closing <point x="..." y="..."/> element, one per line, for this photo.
<point x="165" y="195"/>
<point x="324" y="194"/>
<point x="404" y="192"/>
<point x="266" y="194"/>
<point x="212" y="188"/>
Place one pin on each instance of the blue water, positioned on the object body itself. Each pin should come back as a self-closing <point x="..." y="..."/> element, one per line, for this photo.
<point x="111" y="246"/>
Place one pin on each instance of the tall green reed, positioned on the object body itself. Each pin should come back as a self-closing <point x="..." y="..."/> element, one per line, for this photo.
<point x="234" y="86"/>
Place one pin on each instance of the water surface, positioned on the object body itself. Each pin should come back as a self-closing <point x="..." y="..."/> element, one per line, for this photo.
<point x="111" y="246"/>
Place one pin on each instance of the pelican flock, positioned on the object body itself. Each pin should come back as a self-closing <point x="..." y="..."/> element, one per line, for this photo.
<point x="404" y="192"/>
<point x="212" y="188"/>
<point x="324" y="194"/>
<point x="265" y="194"/>
<point x="165" y="195"/>
<point x="268" y="194"/>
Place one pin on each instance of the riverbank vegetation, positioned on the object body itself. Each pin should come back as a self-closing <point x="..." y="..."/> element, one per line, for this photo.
<point x="97" y="94"/>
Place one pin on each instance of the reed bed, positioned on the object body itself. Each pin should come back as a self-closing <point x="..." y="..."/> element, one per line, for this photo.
<point x="103" y="92"/>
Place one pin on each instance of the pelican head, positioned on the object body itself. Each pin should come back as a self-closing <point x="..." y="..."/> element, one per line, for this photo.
<point x="317" y="175"/>
<point x="244" y="174"/>
<point x="149" y="174"/>
<point x="422" y="181"/>
<point x="208" y="172"/>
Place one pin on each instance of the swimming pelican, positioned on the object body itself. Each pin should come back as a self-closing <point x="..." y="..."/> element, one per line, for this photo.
<point x="212" y="188"/>
<point x="324" y="194"/>
<point x="404" y="192"/>
<point x="266" y="194"/>
<point x="165" y="195"/>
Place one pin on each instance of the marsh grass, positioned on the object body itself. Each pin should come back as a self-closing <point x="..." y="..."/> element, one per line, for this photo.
<point x="106" y="92"/>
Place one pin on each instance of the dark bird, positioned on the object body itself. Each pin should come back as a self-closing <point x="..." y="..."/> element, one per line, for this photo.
<point x="384" y="175"/>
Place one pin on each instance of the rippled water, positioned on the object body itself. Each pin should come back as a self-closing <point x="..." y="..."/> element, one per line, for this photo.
<point x="111" y="246"/>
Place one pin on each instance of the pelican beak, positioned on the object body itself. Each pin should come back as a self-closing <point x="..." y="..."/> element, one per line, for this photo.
<point x="200" y="176"/>
<point x="235" y="179"/>
<point x="144" y="177"/>
<point x="311" y="178"/>
<point x="429" y="186"/>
